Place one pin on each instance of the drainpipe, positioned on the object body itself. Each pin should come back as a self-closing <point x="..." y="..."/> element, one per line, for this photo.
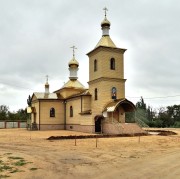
<point x="101" y="127"/>
<point x="39" y="116"/>
<point x="112" y="117"/>
<point x="81" y="103"/>
<point x="64" y="115"/>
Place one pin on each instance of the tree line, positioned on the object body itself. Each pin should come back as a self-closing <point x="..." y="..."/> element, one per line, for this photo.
<point x="6" y="115"/>
<point x="163" y="117"/>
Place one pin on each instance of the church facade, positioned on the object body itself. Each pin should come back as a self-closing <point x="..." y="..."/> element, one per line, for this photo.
<point x="100" y="108"/>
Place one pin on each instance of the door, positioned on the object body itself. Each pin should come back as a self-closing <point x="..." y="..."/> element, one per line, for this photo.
<point x="98" y="125"/>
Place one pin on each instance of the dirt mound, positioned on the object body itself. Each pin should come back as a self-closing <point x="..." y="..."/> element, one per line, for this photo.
<point x="94" y="136"/>
<point x="157" y="132"/>
<point x="162" y="132"/>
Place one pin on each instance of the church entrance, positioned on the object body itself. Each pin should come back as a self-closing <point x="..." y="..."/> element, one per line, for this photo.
<point x="98" y="125"/>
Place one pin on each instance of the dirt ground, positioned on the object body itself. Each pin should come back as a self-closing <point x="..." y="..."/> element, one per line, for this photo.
<point x="28" y="155"/>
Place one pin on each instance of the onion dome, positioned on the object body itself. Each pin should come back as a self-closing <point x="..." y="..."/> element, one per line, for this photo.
<point x="105" y="22"/>
<point x="73" y="62"/>
<point x="46" y="85"/>
<point x="105" y="39"/>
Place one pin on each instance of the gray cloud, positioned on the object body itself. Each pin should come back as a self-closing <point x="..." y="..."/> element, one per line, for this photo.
<point x="36" y="36"/>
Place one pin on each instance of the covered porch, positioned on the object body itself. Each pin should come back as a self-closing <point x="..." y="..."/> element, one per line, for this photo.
<point x="112" y="120"/>
<point x="115" y="110"/>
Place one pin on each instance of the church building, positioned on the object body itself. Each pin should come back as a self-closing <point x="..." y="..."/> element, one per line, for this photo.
<point x="100" y="108"/>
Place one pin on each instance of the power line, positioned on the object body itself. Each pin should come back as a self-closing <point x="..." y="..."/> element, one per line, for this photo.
<point x="157" y="97"/>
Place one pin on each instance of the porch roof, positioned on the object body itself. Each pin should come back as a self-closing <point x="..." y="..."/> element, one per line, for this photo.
<point x="127" y="105"/>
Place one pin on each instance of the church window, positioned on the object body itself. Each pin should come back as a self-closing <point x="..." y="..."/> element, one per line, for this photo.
<point x="52" y="112"/>
<point x="95" y="94"/>
<point x="112" y="64"/>
<point x="71" y="111"/>
<point x="113" y="92"/>
<point x="95" y="65"/>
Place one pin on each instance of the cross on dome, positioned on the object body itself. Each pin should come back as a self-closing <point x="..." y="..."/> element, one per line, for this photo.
<point x="46" y="86"/>
<point x="47" y="78"/>
<point x="105" y="10"/>
<point x="73" y="47"/>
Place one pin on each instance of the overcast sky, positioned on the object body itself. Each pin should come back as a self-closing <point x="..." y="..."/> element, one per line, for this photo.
<point x="36" y="36"/>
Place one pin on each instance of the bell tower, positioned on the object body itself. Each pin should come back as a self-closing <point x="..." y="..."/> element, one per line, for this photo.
<point x="106" y="70"/>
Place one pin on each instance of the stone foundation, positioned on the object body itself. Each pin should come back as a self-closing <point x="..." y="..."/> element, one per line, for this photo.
<point x="121" y="128"/>
<point x="107" y="128"/>
<point x="44" y="127"/>
<point x="81" y="128"/>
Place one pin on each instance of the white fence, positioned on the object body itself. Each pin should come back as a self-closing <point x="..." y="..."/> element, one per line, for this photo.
<point x="16" y="124"/>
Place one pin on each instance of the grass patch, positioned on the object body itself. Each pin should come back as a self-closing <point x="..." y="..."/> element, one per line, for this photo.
<point x="32" y="169"/>
<point x="8" y="153"/>
<point x="16" y="158"/>
<point x="5" y="167"/>
<point x="12" y="164"/>
<point x="4" y="176"/>
<point x="16" y="170"/>
<point x="20" y="163"/>
<point x="132" y="156"/>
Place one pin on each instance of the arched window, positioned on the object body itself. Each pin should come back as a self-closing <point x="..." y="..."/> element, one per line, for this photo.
<point x="112" y="64"/>
<point x="113" y="92"/>
<point x="95" y="94"/>
<point x="95" y="65"/>
<point x="71" y="111"/>
<point x="52" y="112"/>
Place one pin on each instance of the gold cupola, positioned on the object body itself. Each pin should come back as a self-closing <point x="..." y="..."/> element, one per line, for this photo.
<point x="73" y="62"/>
<point x="73" y="66"/>
<point x="46" y="85"/>
<point x="73" y="77"/>
<point x="105" y="39"/>
<point x="105" y="25"/>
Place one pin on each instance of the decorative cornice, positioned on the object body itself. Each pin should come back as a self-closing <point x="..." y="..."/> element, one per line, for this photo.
<point x="106" y="79"/>
<point x="100" y="48"/>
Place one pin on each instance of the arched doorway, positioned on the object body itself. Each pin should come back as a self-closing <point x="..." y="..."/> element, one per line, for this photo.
<point x="98" y="123"/>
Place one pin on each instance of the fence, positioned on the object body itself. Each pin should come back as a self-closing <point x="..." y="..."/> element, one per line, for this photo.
<point x="10" y="124"/>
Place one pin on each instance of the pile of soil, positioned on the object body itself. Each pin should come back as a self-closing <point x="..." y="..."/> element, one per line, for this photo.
<point x="159" y="132"/>
<point x="95" y="136"/>
<point x="163" y="132"/>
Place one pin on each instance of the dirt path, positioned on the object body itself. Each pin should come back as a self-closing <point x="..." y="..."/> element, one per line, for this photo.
<point x="152" y="157"/>
<point x="163" y="166"/>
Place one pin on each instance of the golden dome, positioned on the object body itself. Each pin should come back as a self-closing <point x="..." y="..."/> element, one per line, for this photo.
<point x="105" y="22"/>
<point x="73" y="84"/>
<point x="73" y="62"/>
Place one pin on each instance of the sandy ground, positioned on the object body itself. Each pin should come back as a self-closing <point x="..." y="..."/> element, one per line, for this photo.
<point x="124" y="157"/>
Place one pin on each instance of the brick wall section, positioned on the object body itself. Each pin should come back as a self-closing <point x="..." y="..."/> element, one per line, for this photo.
<point x="41" y="115"/>
<point x="125" y="128"/>
<point x="81" y="128"/>
<point x="103" y="56"/>
<point x="86" y="103"/>
<point x="71" y="127"/>
<point x="51" y="127"/>
<point x="66" y="92"/>
<point x="104" y="79"/>
<point x="77" y="118"/>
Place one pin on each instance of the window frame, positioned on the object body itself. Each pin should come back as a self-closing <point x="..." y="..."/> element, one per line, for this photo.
<point x="95" y="65"/>
<point x="95" y="94"/>
<point x="52" y="112"/>
<point x="114" y="93"/>
<point x="112" y="64"/>
<point x="71" y="111"/>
